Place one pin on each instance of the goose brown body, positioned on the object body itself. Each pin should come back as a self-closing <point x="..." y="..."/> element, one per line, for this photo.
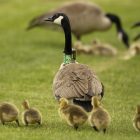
<point x="8" y="112"/>
<point x="84" y="18"/>
<point x="76" y="81"/>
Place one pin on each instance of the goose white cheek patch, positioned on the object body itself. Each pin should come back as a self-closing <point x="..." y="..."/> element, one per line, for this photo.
<point x="120" y="36"/>
<point x="58" y="20"/>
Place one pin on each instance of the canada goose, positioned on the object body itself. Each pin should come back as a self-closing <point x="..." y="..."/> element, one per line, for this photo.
<point x="84" y="18"/>
<point x="74" y="81"/>
<point x="133" y="50"/>
<point x="74" y="115"/>
<point x="8" y="113"/>
<point x="30" y="115"/>
<point x="137" y="24"/>
<point x="95" y="48"/>
<point x="99" y="118"/>
<point x="136" y="119"/>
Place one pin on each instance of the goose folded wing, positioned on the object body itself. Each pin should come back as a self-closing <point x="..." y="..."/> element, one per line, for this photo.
<point x="75" y="81"/>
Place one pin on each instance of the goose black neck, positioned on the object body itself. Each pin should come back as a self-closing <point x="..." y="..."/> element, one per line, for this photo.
<point x="67" y="31"/>
<point x="115" y="19"/>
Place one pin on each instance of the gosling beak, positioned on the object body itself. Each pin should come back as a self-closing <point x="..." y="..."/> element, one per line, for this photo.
<point x="48" y="19"/>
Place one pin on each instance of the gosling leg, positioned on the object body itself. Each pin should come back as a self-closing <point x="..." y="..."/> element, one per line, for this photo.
<point x="26" y="122"/>
<point x="95" y="128"/>
<point x="39" y="122"/>
<point x="17" y="121"/>
<point x="75" y="127"/>
<point x="2" y="121"/>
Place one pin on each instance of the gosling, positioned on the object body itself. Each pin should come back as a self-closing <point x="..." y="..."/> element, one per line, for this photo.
<point x="74" y="115"/>
<point x="31" y="115"/>
<point x="132" y="51"/>
<point x="136" y="119"/>
<point x="99" y="118"/>
<point x="8" y="113"/>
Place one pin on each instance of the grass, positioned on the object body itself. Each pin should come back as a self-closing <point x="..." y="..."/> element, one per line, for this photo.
<point x="29" y="61"/>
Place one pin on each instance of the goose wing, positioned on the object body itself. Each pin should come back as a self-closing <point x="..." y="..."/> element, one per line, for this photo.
<point x="76" y="81"/>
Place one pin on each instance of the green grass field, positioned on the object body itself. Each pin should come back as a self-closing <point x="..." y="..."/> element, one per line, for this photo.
<point x="29" y="61"/>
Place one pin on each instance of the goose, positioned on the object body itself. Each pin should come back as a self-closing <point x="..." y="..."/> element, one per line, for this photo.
<point x="30" y="115"/>
<point x="74" y="81"/>
<point x="136" y="119"/>
<point x="137" y="24"/>
<point x="74" y="115"/>
<point x="8" y="113"/>
<point x="84" y="18"/>
<point x="99" y="118"/>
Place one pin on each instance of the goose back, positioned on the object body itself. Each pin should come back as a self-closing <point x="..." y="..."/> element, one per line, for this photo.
<point x="76" y="81"/>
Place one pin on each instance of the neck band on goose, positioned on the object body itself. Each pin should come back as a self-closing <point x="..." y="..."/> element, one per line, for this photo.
<point x="68" y="41"/>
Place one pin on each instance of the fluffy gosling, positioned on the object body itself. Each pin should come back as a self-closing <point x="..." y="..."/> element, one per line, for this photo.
<point x="8" y="113"/>
<point x="82" y="48"/>
<point x="99" y="118"/>
<point x="74" y="115"/>
<point x="133" y="50"/>
<point x="30" y="115"/>
<point x="95" y="48"/>
<point x="103" y="49"/>
<point x="136" y="119"/>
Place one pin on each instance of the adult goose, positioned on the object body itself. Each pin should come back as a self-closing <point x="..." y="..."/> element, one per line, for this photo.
<point x="84" y="18"/>
<point x="74" y="81"/>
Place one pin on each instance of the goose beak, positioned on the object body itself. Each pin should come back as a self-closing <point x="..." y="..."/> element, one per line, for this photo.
<point x="48" y="19"/>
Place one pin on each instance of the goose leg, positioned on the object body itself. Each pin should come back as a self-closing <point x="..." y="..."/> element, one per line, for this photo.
<point x="104" y="131"/>
<point x="17" y="121"/>
<point x="2" y="121"/>
<point x="95" y="128"/>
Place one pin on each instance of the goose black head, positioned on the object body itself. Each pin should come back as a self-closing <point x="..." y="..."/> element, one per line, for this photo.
<point x="58" y="18"/>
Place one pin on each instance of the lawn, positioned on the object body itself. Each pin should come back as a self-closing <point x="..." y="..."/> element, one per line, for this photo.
<point x="29" y="61"/>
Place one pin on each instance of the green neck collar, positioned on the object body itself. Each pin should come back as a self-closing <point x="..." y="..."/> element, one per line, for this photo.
<point x="67" y="59"/>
